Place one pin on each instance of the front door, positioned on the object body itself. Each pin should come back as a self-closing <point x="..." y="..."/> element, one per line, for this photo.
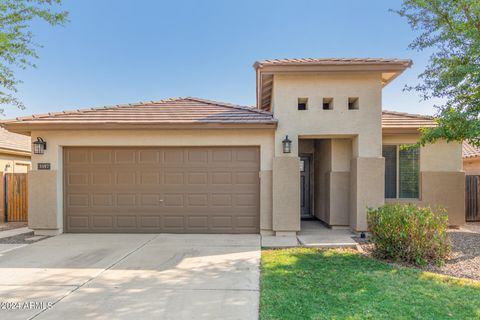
<point x="305" y="200"/>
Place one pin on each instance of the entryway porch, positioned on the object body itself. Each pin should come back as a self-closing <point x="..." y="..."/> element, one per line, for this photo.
<point x="313" y="234"/>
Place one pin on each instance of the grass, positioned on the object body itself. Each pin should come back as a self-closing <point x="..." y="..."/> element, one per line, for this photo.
<point x="313" y="284"/>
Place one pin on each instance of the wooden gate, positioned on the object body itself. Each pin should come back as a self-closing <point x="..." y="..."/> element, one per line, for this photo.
<point x="16" y="200"/>
<point x="472" y="198"/>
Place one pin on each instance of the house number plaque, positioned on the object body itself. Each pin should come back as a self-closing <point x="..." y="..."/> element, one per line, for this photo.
<point x="43" y="166"/>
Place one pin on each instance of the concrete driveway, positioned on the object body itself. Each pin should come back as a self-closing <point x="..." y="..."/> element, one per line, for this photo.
<point x="129" y="276"/>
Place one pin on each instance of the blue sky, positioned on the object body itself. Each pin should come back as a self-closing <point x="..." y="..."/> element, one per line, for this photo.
<point x="122" y="51"/>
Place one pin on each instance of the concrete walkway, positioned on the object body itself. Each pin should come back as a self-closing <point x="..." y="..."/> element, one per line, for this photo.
<point x="313" y="234"/>
<point x="128" y="276"/>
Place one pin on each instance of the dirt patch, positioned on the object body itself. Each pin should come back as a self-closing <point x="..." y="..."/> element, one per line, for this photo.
<point x="464" y="262"/>
<point x="12" y="225"/>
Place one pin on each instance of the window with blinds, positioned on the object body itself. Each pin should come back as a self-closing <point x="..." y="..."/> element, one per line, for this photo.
<point x="402" y="171"/>
<point x="390" y="155"/>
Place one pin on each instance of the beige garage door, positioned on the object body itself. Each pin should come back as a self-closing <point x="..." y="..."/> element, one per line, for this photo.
<point x="173" y="190"/>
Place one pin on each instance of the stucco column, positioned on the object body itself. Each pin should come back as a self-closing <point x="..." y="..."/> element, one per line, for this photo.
<point x="2" y="196"/>
<point x="42" y="203"/>
<point x="286" y="195"/>
<point x="366" y="189"/>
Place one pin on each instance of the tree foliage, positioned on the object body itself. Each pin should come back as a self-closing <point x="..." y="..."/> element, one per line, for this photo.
<point x="451" y="28"/>
<point x="17" y="46"/>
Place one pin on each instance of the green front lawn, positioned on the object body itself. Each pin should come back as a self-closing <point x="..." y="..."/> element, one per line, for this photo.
<point x="314" y="284"/>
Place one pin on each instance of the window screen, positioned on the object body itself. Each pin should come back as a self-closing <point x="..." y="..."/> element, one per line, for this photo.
<point x="390" y="155"/>
<point x="408" y="172"/>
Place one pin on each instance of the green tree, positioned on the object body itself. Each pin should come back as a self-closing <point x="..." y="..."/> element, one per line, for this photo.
<point x="17" y="46"/>
<point x="451" y="29"/>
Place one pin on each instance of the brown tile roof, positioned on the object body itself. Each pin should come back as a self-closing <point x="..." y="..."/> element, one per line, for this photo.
<point x="187" y="110"/>
<point x="470" y="151"/>
<point x="13" y="141"/>
<point x="169" y="111"/>
<point x="332" y="61"/>
<point x="401" y="120"/>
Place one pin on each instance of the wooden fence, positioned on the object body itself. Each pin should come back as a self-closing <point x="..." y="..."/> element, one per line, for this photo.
<point x="472" y="198"/>
<point x="16" y="199"/>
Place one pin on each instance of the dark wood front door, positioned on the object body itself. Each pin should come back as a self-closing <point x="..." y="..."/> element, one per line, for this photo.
<point x="305" y="195"/>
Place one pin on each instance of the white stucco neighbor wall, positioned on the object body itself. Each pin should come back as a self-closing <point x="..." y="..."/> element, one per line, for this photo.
<point x="14" y="164"/>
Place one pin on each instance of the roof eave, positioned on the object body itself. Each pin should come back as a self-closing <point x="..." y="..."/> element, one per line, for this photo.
<point x="15" y="152"/>
<point x="26" y="128"/>
<point x="333" y="68"/>
<point x="472" y="157"/>
<point x="401" y="130"/>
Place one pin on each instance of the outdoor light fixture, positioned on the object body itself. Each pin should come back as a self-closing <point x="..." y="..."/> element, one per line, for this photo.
<point x="39" y="146"/>
<point x="287" y="145"/>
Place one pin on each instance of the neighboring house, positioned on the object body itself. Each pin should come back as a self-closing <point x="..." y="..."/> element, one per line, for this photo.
<point x="471" y="159"/>
<point x="189" y="165"/>
<point x="15" y="154"/>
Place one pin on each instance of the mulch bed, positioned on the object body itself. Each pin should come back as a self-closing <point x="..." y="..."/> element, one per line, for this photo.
<point x="464" y="261"/>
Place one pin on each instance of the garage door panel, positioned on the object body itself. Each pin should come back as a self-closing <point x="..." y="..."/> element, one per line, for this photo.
<point x="102" y="221"/>
<point x="79" y="222"/>
<point x="149" y="157"/>
<point x="178" y="190"/>
<point x="78" y="156"/>
<point x="150" y="222"/>
<point x="101" y="157"/>
<point x="102" y="199"/>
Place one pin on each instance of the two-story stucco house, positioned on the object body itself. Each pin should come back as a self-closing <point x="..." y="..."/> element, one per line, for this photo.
<point x="189" y="165"/>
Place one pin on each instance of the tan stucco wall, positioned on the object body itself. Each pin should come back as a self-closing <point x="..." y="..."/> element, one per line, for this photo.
<point x="339" y="196"/>
<point x="286" y="194"/>
<point x="364" y="123"/>
<point x="41" y="215"/>
<point x="322" y="168"/>
<point x="355" y="133"/>
<point x="442" y="180"/>
<point x="440" y="156"/>
<point x="332" y="180"/>
<point x="367" y="184"/>
<point x="43" y="209"/>
<point x="471" y="166"/>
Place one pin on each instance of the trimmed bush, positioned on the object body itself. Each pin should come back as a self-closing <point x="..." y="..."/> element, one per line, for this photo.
<point x="409" y="233"/>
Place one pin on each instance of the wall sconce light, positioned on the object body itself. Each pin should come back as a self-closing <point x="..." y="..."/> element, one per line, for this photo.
<point x="287" y="145"/>
<point x="39" y="146"/>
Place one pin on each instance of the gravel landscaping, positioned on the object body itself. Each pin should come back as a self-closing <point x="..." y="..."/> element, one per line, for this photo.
<point x="21" y="239"/>
<point x="464" y="261"/>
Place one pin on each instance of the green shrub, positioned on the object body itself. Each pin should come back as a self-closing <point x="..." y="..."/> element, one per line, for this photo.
<point x="409" y="233"/>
